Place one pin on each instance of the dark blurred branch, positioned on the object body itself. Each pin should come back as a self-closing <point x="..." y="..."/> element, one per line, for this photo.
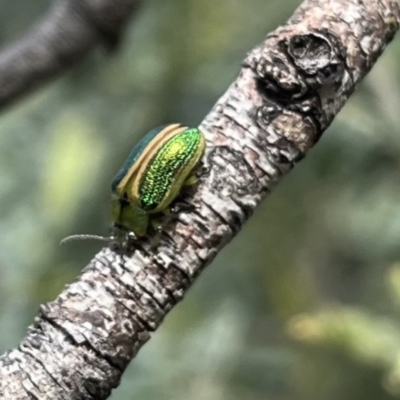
<point x="288" y="91"/>
<point x="64" y="36"/>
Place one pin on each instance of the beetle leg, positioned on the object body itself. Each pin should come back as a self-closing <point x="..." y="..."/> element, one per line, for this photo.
<point x="155" y="241"/>
<point x="154" y="224"/>
<point x="202" y="170"/>
<point x="195" y="177"/>
<point x="157" y="227"/>
<point x="191" y="180"/>
<point x="182" y="206"/>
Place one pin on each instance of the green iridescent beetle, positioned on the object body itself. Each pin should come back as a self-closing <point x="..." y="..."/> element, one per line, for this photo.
<point x="151" y="178"/>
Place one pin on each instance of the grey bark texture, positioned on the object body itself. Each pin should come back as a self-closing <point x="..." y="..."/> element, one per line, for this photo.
<point x="64" y="36"/>
<point x="289" y="89"/>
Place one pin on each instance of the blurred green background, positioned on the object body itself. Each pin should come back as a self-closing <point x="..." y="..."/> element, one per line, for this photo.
<point x="304" y="305"/>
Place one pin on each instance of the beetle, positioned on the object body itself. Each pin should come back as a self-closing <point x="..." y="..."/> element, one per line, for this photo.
<point x="151" y="178"/>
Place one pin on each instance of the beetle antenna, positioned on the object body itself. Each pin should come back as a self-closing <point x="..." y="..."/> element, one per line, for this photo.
<point x="85" y="237"/>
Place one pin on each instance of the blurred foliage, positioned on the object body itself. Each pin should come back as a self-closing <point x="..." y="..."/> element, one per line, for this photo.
<point x="305" y="305"/>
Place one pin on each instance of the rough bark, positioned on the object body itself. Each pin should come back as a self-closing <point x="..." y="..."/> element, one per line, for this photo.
<point x="288" y="91"/>
<point x="64" y="36"/>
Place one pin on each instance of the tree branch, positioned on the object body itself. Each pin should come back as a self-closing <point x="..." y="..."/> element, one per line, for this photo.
<point x="64" y="36"/>
<point x="288" y="91"/>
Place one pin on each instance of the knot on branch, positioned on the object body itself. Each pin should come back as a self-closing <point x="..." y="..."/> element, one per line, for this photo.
<point x="298" y="66"/>
<point x="276" y="74"/>
<point x="295" y="75"/>
<point x="296" y="129"/>
<point x="315" y="57"/>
